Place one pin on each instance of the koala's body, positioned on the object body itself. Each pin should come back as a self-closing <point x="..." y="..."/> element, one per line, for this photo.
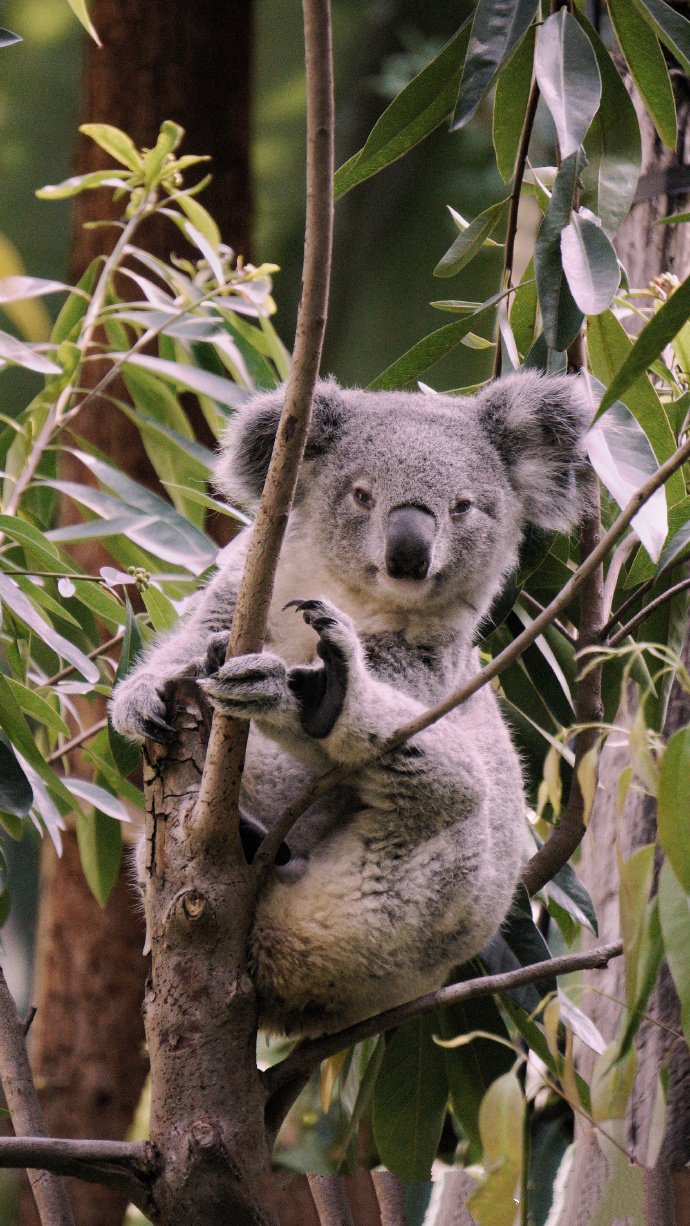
<point x="408" y="517"/>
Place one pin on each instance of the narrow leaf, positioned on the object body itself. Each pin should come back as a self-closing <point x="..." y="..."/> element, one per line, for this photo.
<point x="674" y="915"/>
<point x="497" y="29"/>
<point x="590" y="264"/>
<point x="561" y="315"/>
<point x="418" y="110"/>
<point x="79" y="183"/>
<point x="99" y="839"/>
<point x="470" y="241"/>
<point x="18" y="603"/>
<point x="97" y="796"/>
<point x="7" y="38"/>
<point x="410" y="1100"/>
<point x="568" y="76"/>
<point x="19" y="288"/>
<point x="674" y="805"/>
<point x="501" y="1120"/>
<point x="80" y="11"/>
<point x="428" y="351"/>
<point x="671" y="28"/>
<point x="647" y="65"/>
<point x="19" y="354"/>
<point x="188" y="377"/>
<point x="16" y="795"/>
<point x="510" y="104"/>
<point x="118" y="144"/>
<point x="653" y="338"/>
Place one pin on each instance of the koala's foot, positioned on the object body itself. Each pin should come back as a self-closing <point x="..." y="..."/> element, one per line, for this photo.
<point x="250" y="687"/>
<point x="138" y="710"/>
<point x="321" y="692"/>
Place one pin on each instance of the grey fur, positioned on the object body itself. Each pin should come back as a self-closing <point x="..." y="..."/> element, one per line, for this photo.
<point x="408" y="870"/>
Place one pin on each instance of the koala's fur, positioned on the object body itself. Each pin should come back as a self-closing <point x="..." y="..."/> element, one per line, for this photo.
<point x="406" y="871"/>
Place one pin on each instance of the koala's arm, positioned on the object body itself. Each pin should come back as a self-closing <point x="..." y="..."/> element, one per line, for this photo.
<point x="137" y="706"/>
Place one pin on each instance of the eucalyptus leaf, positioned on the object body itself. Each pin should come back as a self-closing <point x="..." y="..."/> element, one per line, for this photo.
<point x="20" y="354"/>
<point x="187" y="378"/>
<point x="410" y="1100"/>
<point x="510" y="104"/>
<point x="418" y="110"/>
<point x="80" y="183"/>
<point x="674" y="805"/>
<point x="501" y="1122"/>
<point x="590" y="264"/>
<point x="16" y="794"/>
<point x="80" y="11"/>
<point x="670" y="27"/>
<point x="7" y="38"/>
<point x="497" y="29"/>
<point x="20" y="288"/>
<point x="11" y="595"/>
<point x="647" y="65"/>
<point x="99" y="840"/>
<point x="115" y="142"/>
<point x="652" y="340"/>
<point x="674" y="915"/>
<point x="568" y="76"/>
<point x="430" y="350"/>
<point x="561" y="315"/>
<point x="470" y="241"/>
<point x="97" y="796"/>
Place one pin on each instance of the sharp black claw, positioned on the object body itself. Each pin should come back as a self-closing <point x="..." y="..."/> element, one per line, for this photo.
<point x="158" y="730"/>
<point x="293" y="604"/>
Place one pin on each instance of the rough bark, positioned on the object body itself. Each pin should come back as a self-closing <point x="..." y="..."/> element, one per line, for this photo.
<point x="190" y="63"/>
<point x="646" y="250"/>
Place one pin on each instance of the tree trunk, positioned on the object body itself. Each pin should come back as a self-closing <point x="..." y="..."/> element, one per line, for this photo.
<point x="646" y="251"/>
<point x="192" y="64"/>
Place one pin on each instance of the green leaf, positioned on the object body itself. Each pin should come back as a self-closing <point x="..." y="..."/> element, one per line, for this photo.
<point x="16" y="794"/>
<point x="608" y="345"/>
<point x="677" y="542"/>
<point x="523" y="313"/>
<point x="561" y="315"/>
<point x="19" y="289"/>
<point x="80" y="183"/>
<point x="472" y="1068"/>
<point x="418" y="110"/>
<point x="74" y="308"/>
<point x="568" y="76"/>
<point x="187" y="378"/>
<point x="80" y="11"/>
<point x="99" y="839"/>
<point x="200" y="218"/>
<point x="671" y="28"/>
<point x="118" y="144"/>
<point x="169" y="137"/>
<point x="501" y="1121"/>
<point x="97" y="796"/>
<point x="497" y="29"/>
<point x="522" y="936"/>
<point x="410" y="1100"/>
<point x="162" y="613"/>
<point x="674" y="915"/>
<point x="567" y="890"/>
<point x="653" y="338"/>
<point x="674" y="805"/>
<point x="470" y="241"/>
<point x="429" y="351"/>
<point x="19" y="354"/>
<point x="510" y="104"/>
<point x="11" y="595"/>
<point x="647" y="65"/>
<point x="633" y="895"/>
<point x="7" y="38"/>
<point x="15" y="726"/>
<point x="32" y="704"/>
<point x="590" y="264"/>
<point x="33" y="542"/>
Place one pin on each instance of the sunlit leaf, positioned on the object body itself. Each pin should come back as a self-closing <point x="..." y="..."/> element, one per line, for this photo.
<point x="501" y="1120"/>
<point x="32" y="704"/>
<point x="472" y="1068"/>
<point x="79" y="183"/>
<point x="568" y="76"/>
<point x="497" y="29"/>
<point x="188" y="378"/>
<point x="80" y="11"/>
<point x="115" y="142"/>
<point x="590" y="264"/>
<point x="647" y="65"/>
<point x="19" y="354"/>
<point x="7" y="38"/>
<point x="674" y="805"/>
<point x="97" y="796"/>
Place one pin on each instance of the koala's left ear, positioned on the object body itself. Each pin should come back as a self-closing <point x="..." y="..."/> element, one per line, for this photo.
<point x="537" y="423"/>
<point x="248" y="440"/>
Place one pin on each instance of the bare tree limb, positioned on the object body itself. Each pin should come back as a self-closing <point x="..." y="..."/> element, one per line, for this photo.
<point x="558" y="605"/>
<point x="329" y="1196"/>
<point x="124" y="1165"/>
<point x="220" y="784"/>
<point x="308" y="1055"/>
<point x="643" y="614"/>
<point x="25" y="1111"/>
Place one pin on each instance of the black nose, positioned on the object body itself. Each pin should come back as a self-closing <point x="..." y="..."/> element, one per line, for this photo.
<point x="410" y="533"/>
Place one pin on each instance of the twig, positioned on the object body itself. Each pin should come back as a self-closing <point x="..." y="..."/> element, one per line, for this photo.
<point x="642" y="616"/>
<point x="329" y="1196"/>
<point x="219" y="791"/>
<point x="126" y="1165"/>
<point x="535" y="604"/>
<point x="78" y="740"/>
<point x="25" y="1111"/>
<point x="269" y="847"/>
<point x="309" y="1054"/>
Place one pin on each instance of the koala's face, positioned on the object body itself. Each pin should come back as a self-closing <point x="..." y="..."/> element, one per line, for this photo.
<point x="411" y="505"/>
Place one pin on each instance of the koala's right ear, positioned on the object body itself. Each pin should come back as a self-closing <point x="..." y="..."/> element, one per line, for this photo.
<point x="248" y="440"/>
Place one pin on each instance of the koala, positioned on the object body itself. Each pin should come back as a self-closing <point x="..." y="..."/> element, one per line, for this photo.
<point x="407" y="519"/>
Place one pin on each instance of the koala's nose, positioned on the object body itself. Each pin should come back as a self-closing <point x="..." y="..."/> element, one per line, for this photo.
<point x="410" y="533"/>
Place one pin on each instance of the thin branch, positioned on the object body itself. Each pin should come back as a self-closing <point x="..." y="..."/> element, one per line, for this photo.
<point x="78" y="740"/>
<point x="536" y="604"/>
<point x="647" y="612"/>
<point x="25" y="1111"/>
<point x="329" y="1196"/>
<point x="268" y="850"/>
<point x="220" y="783"/>
<point x="309" y="1054"/>
<point x="128" y="1166"/>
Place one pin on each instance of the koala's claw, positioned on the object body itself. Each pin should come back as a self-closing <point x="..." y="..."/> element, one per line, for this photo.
<point x="216" y="651"/>
<point x="335" y="630"/>
<point x="321" y="692"/>
<point x="155" y="729"/>
<point x="247" y="687"/>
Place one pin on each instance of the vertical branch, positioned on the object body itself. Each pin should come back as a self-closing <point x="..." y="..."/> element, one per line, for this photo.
<point x="27" y="1118"/>
<point x="225" y="757"/>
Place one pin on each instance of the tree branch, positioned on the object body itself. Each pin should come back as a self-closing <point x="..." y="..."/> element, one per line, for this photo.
<point x="308" y="1055"/>
<point x="25" y="1111"/>
<point x="329" y="1196"/>
<point x="124" y="1165"/>
<point x="558" y="605"/>
<point x="647" y="612"/>
<point x="225" y="755"/>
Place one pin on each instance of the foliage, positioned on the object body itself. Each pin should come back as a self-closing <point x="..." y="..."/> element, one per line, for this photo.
<point x="201" y="325"/>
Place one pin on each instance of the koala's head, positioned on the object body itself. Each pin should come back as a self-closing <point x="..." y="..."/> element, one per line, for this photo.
<point x="417" y="500"/>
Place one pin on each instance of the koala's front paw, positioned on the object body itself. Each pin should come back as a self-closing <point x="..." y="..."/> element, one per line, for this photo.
<point x="321" y="692"/>
<point x="249" y="687"/>
<point x="138" y="711"/>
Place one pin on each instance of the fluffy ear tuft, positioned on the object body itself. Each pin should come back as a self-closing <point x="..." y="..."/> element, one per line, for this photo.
<point x="537" y="424"/>
<point x="248" y="440"/>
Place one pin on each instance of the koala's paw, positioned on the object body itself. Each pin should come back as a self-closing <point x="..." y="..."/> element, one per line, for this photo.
<point x="138" y="710"/>
<point x="321" y="693"/>
<point x="249" y="687"/>
<point x="216" y="651"/>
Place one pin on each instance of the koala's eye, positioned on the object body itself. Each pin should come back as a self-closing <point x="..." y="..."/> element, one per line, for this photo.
<point x="461" y="507"/>
<point x="362" y="497"/>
